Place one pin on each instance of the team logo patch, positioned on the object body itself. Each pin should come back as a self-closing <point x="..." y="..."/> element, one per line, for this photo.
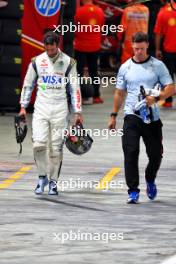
<point x="92" y="22"/>
<point x="172" y="22"/>
<point x="91" y="9"/>
<point x="47" y="7"/>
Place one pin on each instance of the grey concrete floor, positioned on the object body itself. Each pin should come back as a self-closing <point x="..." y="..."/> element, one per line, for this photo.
<point x="78" y="225"/>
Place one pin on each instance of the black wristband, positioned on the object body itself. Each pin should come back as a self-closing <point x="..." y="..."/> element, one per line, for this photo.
<point x="157" y="99"/>
<point x="113" y="114"/>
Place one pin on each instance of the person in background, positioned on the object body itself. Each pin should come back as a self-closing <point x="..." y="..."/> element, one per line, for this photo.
<point x="165" y="41"/>
<point x="87" y="44"/>
<point x="135" y="18"/>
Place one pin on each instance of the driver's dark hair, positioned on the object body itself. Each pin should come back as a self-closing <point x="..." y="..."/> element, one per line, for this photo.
<point x="140" y="37"/>
<point x="50" y="38"/>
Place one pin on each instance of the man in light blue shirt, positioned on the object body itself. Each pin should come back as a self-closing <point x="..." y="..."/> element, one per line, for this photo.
<point x="137" y="79"/>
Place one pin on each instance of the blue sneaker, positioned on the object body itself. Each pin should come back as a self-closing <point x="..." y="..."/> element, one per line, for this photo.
<point x="151" y="190"/>
<point x="133" y="198"/>
<point x="53" y="188"/>
<point x="43" y="181"/>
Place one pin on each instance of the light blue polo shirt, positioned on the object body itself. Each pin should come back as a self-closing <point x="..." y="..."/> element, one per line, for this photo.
<point x="132" y="75"/>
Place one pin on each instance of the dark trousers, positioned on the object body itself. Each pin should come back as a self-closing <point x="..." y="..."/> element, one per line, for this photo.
<point x="89" y="59"/>
<point x="170" y="61"/>
<point x="133" y="129"/>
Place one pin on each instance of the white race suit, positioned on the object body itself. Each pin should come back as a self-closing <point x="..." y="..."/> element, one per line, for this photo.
<point x="51" y="107"/>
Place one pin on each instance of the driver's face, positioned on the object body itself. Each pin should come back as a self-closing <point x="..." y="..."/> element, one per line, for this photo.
<point x="51" y="50"/>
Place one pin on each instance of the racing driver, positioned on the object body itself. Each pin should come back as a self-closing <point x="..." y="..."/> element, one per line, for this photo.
<point x="51" y="109"/>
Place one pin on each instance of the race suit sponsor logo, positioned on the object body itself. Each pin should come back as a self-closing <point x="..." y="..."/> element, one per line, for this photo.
<point x="47" y="7"/>
<point x="78" y="95"/>
<point x="50" y="82"/>
<point x="54" y="79"/>
<point x="44" y="63"/>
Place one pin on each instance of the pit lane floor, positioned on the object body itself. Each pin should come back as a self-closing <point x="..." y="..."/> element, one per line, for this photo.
<point x="84" y="224"/>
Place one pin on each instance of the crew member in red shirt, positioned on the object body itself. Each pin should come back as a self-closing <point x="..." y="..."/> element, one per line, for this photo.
<point x="165" y="29"/>
<point x="87" y="42"/>
<point x="135" y="18"/>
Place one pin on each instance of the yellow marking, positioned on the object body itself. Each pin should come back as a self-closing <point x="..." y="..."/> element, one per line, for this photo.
<point x="22" y="7"/>
<point x="6" y="183"/>
<point x="103" y="184"/>
<point x="32" y="44"/>
<point x="17" y="91"/>
<point x="19" y="32"/>
<point x="17" y="60"/>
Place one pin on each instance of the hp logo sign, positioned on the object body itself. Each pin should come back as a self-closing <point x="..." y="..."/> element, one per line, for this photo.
<point x="47" y="7"/>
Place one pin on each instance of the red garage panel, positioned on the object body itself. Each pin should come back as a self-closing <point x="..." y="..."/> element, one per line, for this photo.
<point x="39" y="15"/>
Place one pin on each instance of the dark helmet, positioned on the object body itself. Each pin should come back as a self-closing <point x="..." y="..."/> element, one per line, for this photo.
<point x="20" y="129"/>
<point x="78" y="141"/>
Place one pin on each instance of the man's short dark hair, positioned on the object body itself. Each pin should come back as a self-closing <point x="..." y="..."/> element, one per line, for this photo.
<point x="140" y="37"/>
<point x="50" y="38"/>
